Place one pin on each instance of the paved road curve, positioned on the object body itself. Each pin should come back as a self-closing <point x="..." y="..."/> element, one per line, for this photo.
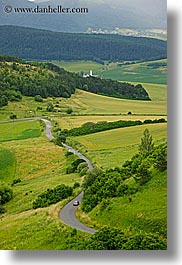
<point x="68" y="213"/>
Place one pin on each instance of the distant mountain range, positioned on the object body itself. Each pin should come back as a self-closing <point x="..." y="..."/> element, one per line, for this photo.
<point x="106" y="14"/>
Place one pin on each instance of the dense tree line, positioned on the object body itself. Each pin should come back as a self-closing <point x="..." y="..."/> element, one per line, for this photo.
<point x="108" y="238"/>
<point x="48" y="80"/>
<point x="51" y="196"/>
<point x="91" y="127"/>
<point x="46" y="45"/>
<point x="100" y="185"/>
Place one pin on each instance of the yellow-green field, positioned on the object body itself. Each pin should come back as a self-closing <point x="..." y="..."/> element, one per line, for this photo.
<point x="112" y="148"/>
<point x="79" y="66"/>
<point x="88" y="103"/>
<point x="69" y="122"/>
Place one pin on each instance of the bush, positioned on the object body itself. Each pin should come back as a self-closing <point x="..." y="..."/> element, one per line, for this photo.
<point x="6" y="193"/>
<point x="38" y="98"/>
<point x="76" y="185"/>
<point x="13" y="117"/>
<point x="115" y="239"/>
<point x="52" y="196"/>
<point x="15" y="181"/>
<point x="2" y="209"/>
<point x="69" y="111"/>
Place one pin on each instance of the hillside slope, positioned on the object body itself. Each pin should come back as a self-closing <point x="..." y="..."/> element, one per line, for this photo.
<point x="48" y="80"/>
<point x="146" y="210"/>
<point x="30" y="43"/>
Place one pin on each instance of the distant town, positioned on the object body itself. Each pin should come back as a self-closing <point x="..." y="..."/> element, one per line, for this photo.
<point x="153" y="33"/>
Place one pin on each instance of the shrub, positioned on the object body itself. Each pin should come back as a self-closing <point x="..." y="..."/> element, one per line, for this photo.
<point x="52" y="196"/>
<point x="2" y="209"/>
<point x="115" y="239"/>
<point x="6" y="193"/>
<point x="15" y="181"/>
<point x="38" y="98"/>
<point x="76" y="185"/>
<point x="69" y="111"/>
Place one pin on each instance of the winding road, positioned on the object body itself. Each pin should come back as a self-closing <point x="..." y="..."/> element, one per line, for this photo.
<point x="68" y="213"/>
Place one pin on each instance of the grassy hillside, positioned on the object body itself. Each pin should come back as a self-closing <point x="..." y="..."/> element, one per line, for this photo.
<point x="40" y="165"/>
<point x="119" y="144"/>
<point x="146" y="211"/>
<point x="76" y="46"/>
<point x="88" y="103"/>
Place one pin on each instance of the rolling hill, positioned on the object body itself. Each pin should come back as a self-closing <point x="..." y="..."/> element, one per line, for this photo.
<point x="34" y="44"/>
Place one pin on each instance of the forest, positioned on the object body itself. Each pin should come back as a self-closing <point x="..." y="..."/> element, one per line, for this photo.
<point x="19" y="78"/>
<point x="32" y="44"/>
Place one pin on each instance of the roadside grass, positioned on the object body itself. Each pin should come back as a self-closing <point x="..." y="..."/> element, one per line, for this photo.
<point x="79" y="66"/>
<point x="139" y="72"/>
<point x="111" y="148"/>
<point x="7" y="165"/>
<point x="39" y="230"/>
<point x="145" y="211"/>
<point x="40" y="165"/>
<point x="19" y="130"/>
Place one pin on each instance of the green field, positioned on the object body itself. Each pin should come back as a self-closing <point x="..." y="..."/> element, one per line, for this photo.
<point x="143" y="72"/>
<point x="112" y="148"/>
<point x="139" y="72"/>
<point x="7" y="165"/>
<point x="19" y="130"/>
<point x="79" y="66"/>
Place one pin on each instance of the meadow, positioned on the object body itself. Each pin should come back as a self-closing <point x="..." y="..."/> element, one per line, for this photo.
<point x="19" y="130"/>
<point x="79" y="66"/>
<point x="143" y="72"/>
<point x="118" y="145"/>
<point x="87" y="103"/>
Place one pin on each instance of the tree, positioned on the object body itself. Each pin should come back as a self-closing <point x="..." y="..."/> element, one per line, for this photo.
<point x="61" y="138"/>
<point x="6" y="193"/>
<point x="38" y="98"/>
<point x="69" y="111"/>
<point x="147" y="144"/>
<point x="143" y="174"/>
<point x="50" y="107"/>
<point x="13" y="116"/>
<point x="160" y="158"/>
